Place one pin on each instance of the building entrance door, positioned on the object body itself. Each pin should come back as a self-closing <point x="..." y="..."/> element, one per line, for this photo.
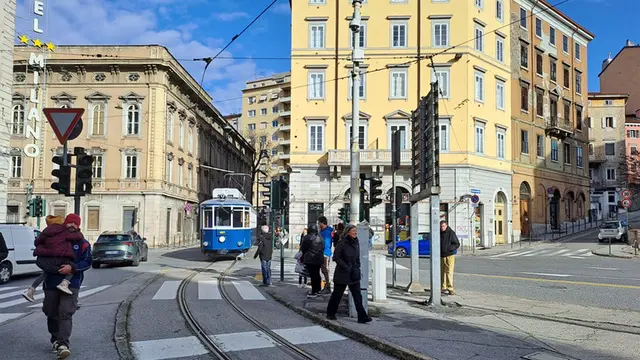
<point x="499" y="218"/>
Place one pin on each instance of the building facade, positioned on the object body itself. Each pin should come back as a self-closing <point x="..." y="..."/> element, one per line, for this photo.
<point x="475" y="109"/>
<point x="621" y="75"/>
<point x="7" y="38"/>
<point x="158" y="143"/>
<point x="607" y="151"/>
<point x="549" y="108"/>
<point x="266" y="123"/>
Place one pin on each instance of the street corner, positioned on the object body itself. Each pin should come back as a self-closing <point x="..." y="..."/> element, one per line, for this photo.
<point x="620" y="251"/>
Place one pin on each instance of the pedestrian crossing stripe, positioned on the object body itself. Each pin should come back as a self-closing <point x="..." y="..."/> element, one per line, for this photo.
<point x="11" y="292"/>
<point x="190" y="346"/>
<point x="11" y="316"/>
<point x="208" y="290"/>
<point x="573" y="254"/>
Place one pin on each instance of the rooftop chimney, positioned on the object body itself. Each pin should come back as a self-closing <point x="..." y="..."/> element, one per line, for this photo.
<point x="630" y="43"/>
<point x="606" y="61"/>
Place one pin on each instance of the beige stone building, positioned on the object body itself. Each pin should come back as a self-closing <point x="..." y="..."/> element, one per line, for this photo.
<point x="607" y="150"/>
<point x="159" y="145"/>
<point x="7" y="36"/>
<point x="266" y="122"/>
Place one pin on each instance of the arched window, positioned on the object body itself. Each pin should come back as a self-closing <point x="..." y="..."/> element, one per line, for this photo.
<point x="97" y="125"/>
<point x="169" y="126"/>
<point x="133" y="119"/>
<point x="17" y="126"/>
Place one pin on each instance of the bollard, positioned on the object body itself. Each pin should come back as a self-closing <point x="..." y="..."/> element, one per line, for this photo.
<point x="379" y="263"/>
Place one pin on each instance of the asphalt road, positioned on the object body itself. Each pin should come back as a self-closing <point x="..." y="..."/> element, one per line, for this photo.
<point x="562" y="272"/>
<point x="156" y="327"/>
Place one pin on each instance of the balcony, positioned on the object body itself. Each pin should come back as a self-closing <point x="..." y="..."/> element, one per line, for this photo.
<point x="603" y="184"/>
<point x="282" y="170"/>
<point x="285" y="99"/>
<point x="284" y="142"/>
<point x="559" y="128"/>
<point x="284" y="113"/>
<point x="285" y="128"/>
<point x="368" y="157"/>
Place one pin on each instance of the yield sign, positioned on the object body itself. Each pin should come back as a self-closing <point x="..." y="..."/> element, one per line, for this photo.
<point x="63" y="120"/>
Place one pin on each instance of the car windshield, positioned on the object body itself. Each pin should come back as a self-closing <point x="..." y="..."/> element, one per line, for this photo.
<point x="610" y="225"/>
<point x="113" y="238"/>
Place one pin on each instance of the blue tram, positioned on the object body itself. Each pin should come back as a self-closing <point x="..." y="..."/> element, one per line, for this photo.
<point x="229" y="224"/>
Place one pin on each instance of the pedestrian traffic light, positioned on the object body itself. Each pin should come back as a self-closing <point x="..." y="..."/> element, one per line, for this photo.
<point x="38" y="204"/>
<point x="376" y="192"/>
<point x="63" y="173"/>
<point x="84" y="174"/>
<point x="284" y="194"/>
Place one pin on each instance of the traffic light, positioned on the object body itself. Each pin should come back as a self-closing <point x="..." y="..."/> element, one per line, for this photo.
<point x="376" y="192"/>
<point x="284" y="194"/>
<point x="84" y="174"/>
<point x="266" y="194"/>
<point x="30" y="207"/>
<point x="342" y="213"/>
<point x="38" y="204"/>
<point x="63" y="173"/>
<point x="276" y="200"/>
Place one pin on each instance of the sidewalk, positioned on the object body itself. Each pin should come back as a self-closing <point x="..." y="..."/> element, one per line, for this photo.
<point x="479" y="326"/>
<point x="617" y="250"/>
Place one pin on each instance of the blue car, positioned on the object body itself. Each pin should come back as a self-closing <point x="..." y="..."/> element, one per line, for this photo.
<point x="403" y="248"/>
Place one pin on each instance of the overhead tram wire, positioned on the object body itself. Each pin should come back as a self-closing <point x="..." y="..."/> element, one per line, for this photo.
<point x="441" y="52"/>
<point x="208" y="60"/>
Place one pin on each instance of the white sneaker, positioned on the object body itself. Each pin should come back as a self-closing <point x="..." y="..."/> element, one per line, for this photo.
<point x="29" y="294"/>
<point x="64" y="287"/>
<point x="63" y="352"/>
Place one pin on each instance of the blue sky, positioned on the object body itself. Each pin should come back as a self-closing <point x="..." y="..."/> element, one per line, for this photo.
<point x="199" y="28"/>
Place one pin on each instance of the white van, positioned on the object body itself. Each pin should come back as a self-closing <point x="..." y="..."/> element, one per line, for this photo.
<point x="20" y="242"/>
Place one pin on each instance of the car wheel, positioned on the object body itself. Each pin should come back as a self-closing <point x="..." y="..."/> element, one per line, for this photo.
<point x="5" y="272"/>
<point x="95" y="265"/>
<point x="401" y="252"/>
<point x="136" y="262"/>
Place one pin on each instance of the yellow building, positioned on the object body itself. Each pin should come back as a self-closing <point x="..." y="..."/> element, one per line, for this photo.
<point x="549" y="109"/>
<point x="266" y="123"/>
<point x="158" y="143"/>
<point x="475" y="107"/>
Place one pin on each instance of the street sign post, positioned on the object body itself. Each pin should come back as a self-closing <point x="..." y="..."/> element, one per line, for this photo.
<point x="626" y="194"/>
<point x="626" y="203"/>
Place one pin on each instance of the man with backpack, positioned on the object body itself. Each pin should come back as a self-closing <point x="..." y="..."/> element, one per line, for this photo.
<point x="326" y="232"/>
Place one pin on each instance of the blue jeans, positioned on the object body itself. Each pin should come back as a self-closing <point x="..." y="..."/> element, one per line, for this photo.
<point x="265" y="266"/>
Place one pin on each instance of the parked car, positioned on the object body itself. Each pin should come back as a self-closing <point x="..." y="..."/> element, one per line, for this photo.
<point x="117" y="247"/>
<point x="20" y="243"/>
<point x="614" y="230"/>
<point x="403" y="248"/>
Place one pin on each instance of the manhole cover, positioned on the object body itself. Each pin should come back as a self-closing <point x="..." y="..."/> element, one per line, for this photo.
<point x="545" y="356"/>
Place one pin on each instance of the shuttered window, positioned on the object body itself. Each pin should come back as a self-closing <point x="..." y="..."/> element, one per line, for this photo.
<point x="60" y="210"/>
<point x="93" y="218"/>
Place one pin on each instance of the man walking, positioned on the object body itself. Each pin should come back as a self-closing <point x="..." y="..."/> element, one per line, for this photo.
<point x="58" y="306"/>
<point x="449" y="244"/>
<point x="265" y="251"/>
<point x="326" y="232"/>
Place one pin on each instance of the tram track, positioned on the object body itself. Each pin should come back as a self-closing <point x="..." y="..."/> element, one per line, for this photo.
<point x="215" y="350"/>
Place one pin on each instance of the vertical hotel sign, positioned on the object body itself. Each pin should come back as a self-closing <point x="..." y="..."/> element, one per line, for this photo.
<point x="36" y="65"/>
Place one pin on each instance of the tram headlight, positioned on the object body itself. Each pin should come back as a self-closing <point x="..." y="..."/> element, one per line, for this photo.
<point x="239" y="243"/>
<point x="222" y="239"/>
<point x="205" y="244"/>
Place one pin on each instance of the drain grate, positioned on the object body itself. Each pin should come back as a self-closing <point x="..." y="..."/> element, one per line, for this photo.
<point x="545" y="356"/>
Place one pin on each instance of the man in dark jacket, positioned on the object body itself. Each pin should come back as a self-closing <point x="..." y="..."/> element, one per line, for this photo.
<point x="58" y="306"/>
<point x="265" y="251"/>
<point x="312" y="249"/>
<point x="4" y="251"/>
<point x="449" y="244"/>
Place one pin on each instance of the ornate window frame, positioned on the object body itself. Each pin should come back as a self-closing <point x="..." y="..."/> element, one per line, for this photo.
<point x="131" y="102"/>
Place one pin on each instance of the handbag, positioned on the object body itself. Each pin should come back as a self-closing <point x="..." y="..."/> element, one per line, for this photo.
<point x="301" y="269"/>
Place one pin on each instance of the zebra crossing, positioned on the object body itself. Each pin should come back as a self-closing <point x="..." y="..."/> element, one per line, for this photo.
<point x="525" y="253"/>
<point x="208" y="290"/>
<point x="190" y="346"/>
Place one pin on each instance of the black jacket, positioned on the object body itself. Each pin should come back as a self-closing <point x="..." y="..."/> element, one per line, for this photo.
<point x="448" y="242"/>
<point x="347" y="258"/>
<point x="4" y="252"/>
<point x="265" y="248"/>
<point x="312" y="249"/>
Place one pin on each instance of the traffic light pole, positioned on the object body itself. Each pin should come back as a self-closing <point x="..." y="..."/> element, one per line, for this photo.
<point x="282" y="246"/>
<point x="356" y="57"/>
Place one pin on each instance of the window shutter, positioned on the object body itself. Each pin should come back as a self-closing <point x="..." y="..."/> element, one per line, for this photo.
<point x="614" y="122"/>
<point x="93" y="219"/>
<point x="604" y="122"/>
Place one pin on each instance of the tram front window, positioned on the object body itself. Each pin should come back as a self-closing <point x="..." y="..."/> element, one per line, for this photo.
<point x="223" y="216"/>
<point x="237" y="218"/>
<point x="208" y="218"/>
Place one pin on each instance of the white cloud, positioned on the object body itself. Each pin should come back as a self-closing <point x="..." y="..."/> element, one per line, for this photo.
<point x="113" y="23"/>
<point x="282" y="8"/>
<point x="231" y="16"/>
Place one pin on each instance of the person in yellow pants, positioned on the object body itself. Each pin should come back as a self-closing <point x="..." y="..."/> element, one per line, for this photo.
<point x="449" y="245"/>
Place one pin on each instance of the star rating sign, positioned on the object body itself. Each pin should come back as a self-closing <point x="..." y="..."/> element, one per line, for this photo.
<point x="24" y="39"/>
<point x="50" y="46"/>
<point x="37" y="43"/>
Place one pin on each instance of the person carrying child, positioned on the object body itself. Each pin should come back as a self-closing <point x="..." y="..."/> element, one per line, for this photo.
<point x="54" y="248"/>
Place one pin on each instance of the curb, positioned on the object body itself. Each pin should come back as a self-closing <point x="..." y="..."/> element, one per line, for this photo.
<point x="368" y="340"/>
<point x="614" y="255"/>
<point x="121" y="331"/>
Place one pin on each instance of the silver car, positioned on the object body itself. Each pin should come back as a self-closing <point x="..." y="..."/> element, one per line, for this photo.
<point x="115" y="247"/>
<point x="614" y="230"/>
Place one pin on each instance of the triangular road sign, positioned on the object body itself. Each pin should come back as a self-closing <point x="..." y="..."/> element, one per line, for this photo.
<point x="63" y="120"/>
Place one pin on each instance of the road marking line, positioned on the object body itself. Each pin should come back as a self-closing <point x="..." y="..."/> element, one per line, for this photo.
<point x="522" y="253"/>
<point x="619" y="286"/>
<point x="558" y="252"/>
<point x="309" y="334"/>
<point x="11" y="294"/>
<point x="249" y="340"/>
<point x="601" y="268"/>
<point x="8" y="288"/>
<point x="543" y="274"/>
<point x="208" y="290"/>
<point x="503" y="254"/>
<point x="577" y="253"/>
<point x="168" y="291"/>
<point x="574" y="257"/>
<point x="537" y="253"/>
<point x="168" y="348"/>
<point x="590" y="253"/>
<point x="83" y="293"/>
<point x="10" y="316"/>
<point x="248" y="291"/>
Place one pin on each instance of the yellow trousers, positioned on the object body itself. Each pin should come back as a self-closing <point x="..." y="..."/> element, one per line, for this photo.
<point x="446" y="272"/>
